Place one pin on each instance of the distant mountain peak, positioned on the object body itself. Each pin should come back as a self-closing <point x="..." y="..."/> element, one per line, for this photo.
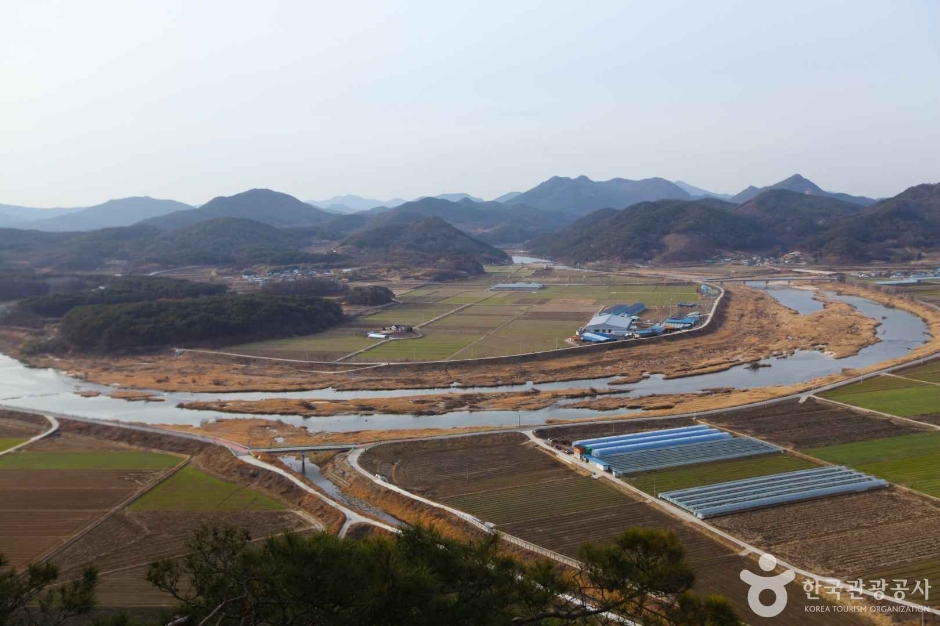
<point x="579" y="196"/>
<point x="800" y="184"/>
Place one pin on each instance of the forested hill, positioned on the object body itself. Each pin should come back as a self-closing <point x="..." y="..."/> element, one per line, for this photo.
<point x="110" y="214"/>
<point x="896" y="228"/>
<point x="579" y="196"/>
<point x="220" y="241"/>
<point x="224" y="240"/>
<point x="491" y="222"/>
<point x="260" y="205"/>
<point x="424" y="239"/>
<point x="791" y="217"/>
<point x="773" y="222"/>
<point x="664" y="231"/>
<point x="211" y="320"/>
<point x="802" y="185"/>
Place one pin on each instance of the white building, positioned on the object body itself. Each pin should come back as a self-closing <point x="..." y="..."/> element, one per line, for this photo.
<point x="610" y="324"/>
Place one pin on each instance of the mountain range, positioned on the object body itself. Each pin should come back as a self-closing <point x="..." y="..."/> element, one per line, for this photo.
<point x="262" y="205"/>
<point x="579" y="196"/>
<point x="110" y="214"/>
<point x="775" y="221"/>
<point x="800" y="185"/>
<point x="572" y="219"/>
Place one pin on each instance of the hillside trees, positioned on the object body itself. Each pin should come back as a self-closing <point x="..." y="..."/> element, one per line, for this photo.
<point x="212" y="320"/>
<point x="421" y="577"/>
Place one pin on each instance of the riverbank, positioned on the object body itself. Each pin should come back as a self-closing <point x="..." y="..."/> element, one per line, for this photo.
<point x="753" y="326"/>
<point x="263" y="433"/>
<point x="431" y="404"/>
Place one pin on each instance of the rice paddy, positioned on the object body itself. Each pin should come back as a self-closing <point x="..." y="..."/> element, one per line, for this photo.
<point x="466" y="320"/>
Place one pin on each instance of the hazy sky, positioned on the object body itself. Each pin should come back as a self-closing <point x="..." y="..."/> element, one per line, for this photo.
<point x="190" y="100"/>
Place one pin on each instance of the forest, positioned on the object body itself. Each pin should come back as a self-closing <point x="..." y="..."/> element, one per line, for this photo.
<point x="211" y="320"/>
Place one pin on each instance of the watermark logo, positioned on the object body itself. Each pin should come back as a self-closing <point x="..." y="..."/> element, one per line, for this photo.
<point x="758" y="583"/>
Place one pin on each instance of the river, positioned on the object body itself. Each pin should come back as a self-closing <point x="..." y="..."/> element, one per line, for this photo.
<point x="50" y="390"/>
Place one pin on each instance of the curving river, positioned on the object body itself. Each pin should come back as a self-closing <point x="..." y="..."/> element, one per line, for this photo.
<point x="49" y="390"/>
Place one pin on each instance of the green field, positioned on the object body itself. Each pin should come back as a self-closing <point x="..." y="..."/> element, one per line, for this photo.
<point x="92" y="460"/>
<point x="909" y="460"/>
<point x="875" y="383"/>
<point x="527" y="321"/>
<point x="929" y="372"/>
<point x="193" y="490"/>
<point x="890" y="395"/>
<point x="523" y="335"/>
<point x="528" y="502"/>
<point x="436" y="345"/>
<point x="717" y="472"/>
<point x="325" y="346"/>
<point x="8" y="442"/>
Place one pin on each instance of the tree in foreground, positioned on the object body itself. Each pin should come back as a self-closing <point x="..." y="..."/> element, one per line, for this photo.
<point x="421" y="577"/>
<point x="29" y="598"/>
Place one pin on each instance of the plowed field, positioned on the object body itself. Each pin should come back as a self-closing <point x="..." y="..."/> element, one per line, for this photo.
<point x="450" y="467"/>
<point x="810" y="424"/>
<point x="132" y="538"/>
<point x="846" y="536"/>
<point x="43" y="502"/>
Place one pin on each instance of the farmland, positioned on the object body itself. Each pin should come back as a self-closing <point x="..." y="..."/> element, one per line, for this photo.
<point x="717" y="472"/>
<point x="492" y="323"/>
<point x="46" y="495"/>
<point x="552" y="506"/>
<point x="848" y="536"/>
<point x="8" y="442"/>
<point x="910" y="460"/>
<point x="135" y="538"/>
<point x="927" y="372"/>
<point x="537" y="500"/>
<point x="88" y="460"/>
<point x="448" y="467"/>
<point x="890" y="394"/>
<point x="191" y="489"/>
<point x="810" y="424"/>
<point x="570" y="433"/>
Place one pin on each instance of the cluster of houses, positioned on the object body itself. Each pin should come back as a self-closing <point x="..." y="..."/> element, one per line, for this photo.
<point x="621" y="321"/>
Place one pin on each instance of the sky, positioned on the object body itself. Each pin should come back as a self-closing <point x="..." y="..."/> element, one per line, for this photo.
<point x="190" y="100"/>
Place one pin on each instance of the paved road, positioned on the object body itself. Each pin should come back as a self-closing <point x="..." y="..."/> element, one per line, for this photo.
<point x="53" y="426"/>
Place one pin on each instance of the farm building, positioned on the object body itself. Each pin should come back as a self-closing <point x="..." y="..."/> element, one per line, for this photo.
<point x="681" y="323"/>
<point x="517" y="287"/>
<point x="755" y="493"/>
<point x="615" y="322"/>
<point x="673" y="447"/>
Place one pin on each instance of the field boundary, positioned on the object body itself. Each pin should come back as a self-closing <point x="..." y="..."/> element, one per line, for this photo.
<point x="53" y="427"/>
<point x="874" y="412"/>
<point x="240" y="452"/>
<point x="52" y="552"/>
<point x="746" y="549"/>
<point x="710" y="530"/>
<point x="507" y="359"/>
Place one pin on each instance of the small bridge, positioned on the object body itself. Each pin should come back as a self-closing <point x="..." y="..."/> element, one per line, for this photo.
<point x="336" y="446"/>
